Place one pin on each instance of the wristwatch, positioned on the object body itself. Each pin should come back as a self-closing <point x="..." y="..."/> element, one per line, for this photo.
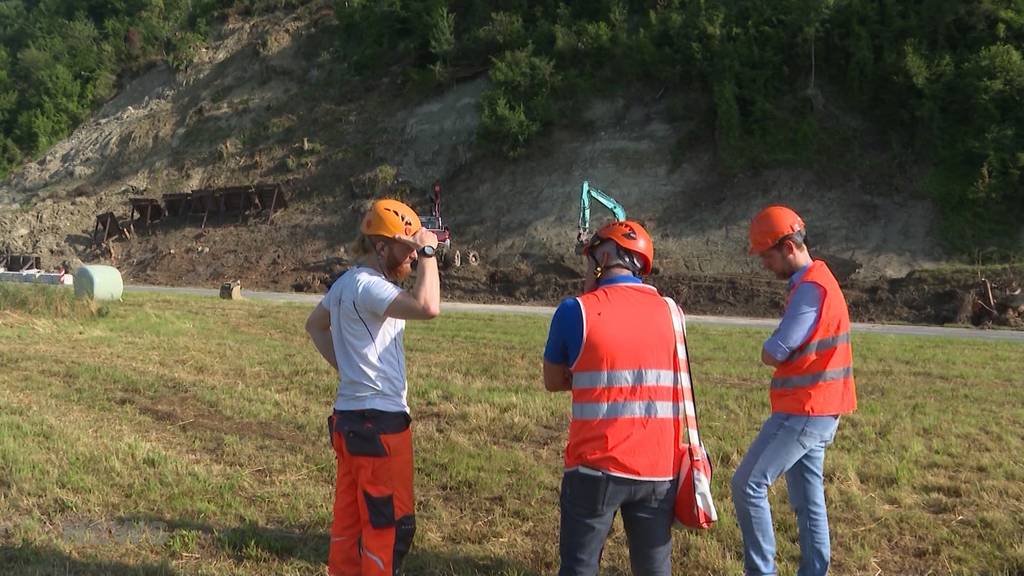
<point x="427" y="252"/>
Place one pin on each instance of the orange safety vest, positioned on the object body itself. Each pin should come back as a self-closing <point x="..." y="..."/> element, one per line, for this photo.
<point x="817" y="378"/>
<point x="626" y="403"/>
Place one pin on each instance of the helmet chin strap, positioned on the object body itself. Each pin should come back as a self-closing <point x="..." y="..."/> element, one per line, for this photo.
<point x="598" y="269"/>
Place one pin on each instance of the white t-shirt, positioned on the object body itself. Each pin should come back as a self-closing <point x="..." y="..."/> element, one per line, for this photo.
<point x="367" y="345"/>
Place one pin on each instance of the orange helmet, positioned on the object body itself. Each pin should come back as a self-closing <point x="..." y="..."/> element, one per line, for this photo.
<point x="631" y="236"/>
<point x="388" y="218"/>
<point x="771" y="225"/>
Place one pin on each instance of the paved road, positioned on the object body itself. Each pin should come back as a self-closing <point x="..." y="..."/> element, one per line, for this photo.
<point x="891" y="329"/>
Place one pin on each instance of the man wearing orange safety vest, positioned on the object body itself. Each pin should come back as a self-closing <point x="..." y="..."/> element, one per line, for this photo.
<point x="614" y="348"/>
<point x="811" y="387"/>
<point x="358" y="329"/>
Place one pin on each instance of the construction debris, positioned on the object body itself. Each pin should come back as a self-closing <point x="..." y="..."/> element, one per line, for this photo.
<point x="231" y="290"/>
<point x="148" y="209"/>
<point x="235" y="200"/>
<point x="176" y="204"/>
<point x="20" y="262"/>
<point x="37" y="277"/>
<point x="272" y="199"/>
<point x="202" y="202"/>
<point x="107" y="228"/>
<point x="27" y="269"/>
<point x="994" y="305"/>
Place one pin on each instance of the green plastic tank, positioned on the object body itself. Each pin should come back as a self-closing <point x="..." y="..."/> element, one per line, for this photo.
<point x="98" y="282"/>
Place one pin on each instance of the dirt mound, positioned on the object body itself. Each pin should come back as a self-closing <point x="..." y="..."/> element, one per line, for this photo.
<point x="944" y="296"/>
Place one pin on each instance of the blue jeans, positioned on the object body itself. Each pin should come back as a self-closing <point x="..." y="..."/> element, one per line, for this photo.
<point x="589" y="502"/>
<point x="794" y="445"/>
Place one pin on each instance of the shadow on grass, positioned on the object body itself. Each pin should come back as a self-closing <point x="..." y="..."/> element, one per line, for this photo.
<point x="248" y="541"/>
<point x="32" y="560"/>
<point x="431" y="563"/>
<point x="251" y="542"/>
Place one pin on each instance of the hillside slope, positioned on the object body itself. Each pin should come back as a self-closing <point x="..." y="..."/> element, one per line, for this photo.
<point x="259" y="105"/>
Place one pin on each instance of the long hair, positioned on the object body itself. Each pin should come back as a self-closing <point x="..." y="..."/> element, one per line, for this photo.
<point x="361" y="247"/>
<point x="365" y="247"/>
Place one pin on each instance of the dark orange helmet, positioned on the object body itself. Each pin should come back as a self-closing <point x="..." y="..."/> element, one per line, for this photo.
<point x="629" y="235"/>
<point x="772" y="225"/>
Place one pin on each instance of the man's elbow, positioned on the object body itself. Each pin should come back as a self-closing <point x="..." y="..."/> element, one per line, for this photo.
<point x="431" y="311"/>
<point x="315" y="329"/>
<point x="556" y="378"/>
<point x="768" y="359"/>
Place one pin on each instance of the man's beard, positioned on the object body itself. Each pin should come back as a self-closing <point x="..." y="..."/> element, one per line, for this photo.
<point x="397" y="271"/>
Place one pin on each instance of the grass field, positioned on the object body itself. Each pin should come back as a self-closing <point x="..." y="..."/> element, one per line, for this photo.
<point x="187" y="436"/>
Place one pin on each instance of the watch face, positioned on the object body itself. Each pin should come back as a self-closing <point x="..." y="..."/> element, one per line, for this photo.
<point x="428" y="250"/>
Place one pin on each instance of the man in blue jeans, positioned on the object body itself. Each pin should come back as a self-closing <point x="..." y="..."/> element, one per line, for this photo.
<point x="811" y="387"/>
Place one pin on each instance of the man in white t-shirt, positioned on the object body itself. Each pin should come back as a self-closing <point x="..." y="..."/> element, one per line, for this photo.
<point x="358" y="329"/>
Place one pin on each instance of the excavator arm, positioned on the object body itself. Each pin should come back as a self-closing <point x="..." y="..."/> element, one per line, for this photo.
<point x="586" y="193"/>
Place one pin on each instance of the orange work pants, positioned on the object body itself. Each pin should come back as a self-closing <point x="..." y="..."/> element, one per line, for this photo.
<point x="374" y="514"/>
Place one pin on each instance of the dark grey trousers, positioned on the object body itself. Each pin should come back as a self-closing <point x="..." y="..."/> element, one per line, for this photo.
<point x="589" y="502"/>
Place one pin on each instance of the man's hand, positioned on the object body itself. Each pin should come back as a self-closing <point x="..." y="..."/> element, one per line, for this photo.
<point x="423" y="302"/>
<point x="421" y="238"/>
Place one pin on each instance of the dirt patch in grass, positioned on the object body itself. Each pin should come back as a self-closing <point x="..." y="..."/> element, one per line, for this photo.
<point x="185" y="412"/>
<point x="87" y="532"/>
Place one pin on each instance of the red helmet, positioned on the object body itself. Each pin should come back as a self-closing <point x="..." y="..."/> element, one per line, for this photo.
<point x="629" y="235"/>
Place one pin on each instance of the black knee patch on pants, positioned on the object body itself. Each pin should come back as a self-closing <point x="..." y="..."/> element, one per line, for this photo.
<point x="405" y="529"/>
<point x="381" y="510"/>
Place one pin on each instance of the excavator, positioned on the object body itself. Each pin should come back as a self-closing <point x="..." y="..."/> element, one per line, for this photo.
<point x="586" y="193"/>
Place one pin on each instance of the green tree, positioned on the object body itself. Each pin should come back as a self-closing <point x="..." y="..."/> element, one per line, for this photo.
<point x="519" y="104"/>
<point x="442" y="34"/>
<point x="8" y="93"/>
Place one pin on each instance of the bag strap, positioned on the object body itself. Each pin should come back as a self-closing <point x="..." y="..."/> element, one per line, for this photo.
<point x="684" y="380"/>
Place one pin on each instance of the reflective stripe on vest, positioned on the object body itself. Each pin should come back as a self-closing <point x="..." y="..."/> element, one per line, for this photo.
<point x="610" y="410"/>
<point x="820" y="345"/>
<point x="640" y="376"/>
<point x="811" y="379"/>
